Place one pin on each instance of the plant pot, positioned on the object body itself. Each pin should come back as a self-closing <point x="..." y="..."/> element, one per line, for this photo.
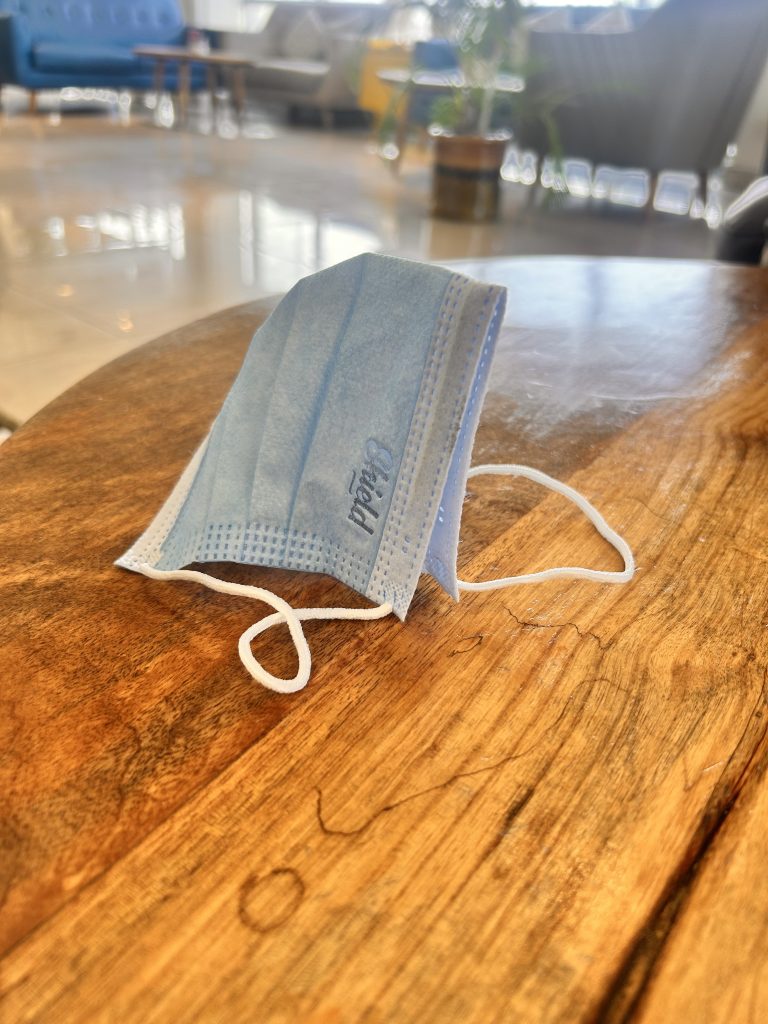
<point x="466" y="176"/>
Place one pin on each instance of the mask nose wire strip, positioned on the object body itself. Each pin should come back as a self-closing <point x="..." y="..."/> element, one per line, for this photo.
<point x="589" y="510"/>
<point x="292" y="617"/>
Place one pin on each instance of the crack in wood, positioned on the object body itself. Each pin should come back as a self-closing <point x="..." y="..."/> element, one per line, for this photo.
<point x="328" y="831"/>
<point x="514" y="810"/>
<point x="476" y="637"/>
<point x="507" y="759"/>
<point x="632" y="980"/>
<point x="584" y="634"/>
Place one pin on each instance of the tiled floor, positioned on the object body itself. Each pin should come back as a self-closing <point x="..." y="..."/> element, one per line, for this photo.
<point x="112" y="233"/>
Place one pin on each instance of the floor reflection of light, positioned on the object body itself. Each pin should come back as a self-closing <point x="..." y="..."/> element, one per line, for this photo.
<point x="336" y="242"/>
<point x="713" y="211"/>
<point x="165" y="114"/>
<point x="631" y="188"/>
<point x="512" y="168"/>
<point x="226" y="127"/>
<point x="124" y="103"/>
<point x="245" y="221"/>
<point x="177" y="244"/>
<point x="65" y="291"/>
<point x="142" y="227"/>
<point x="55" y="228"/>
<point x="278" y="233"/>
<point x="124" y="321"/>
<point x="625" y="188"/>
<point x="578" y="178"/>
<point x="697" y="209"/>
<point x="677" y="193"/>
<point x="13" y="239"/>
<point x="118" y="227"/>
<point x="553" y="176"/>
<point x="520" y="166"/>
<point x="76" y="94"/>
<point x="389" y="151"/>
<point x="258" y="130"/>
<point x="713" y="215"/>
<point x="530" y="169"/>
<point x="205" y="118"/>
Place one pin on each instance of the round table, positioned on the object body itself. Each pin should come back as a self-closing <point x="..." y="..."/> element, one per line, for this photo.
<point x="544" y="803"/>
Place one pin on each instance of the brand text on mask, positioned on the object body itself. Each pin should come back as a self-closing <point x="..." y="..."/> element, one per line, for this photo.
<point x="369" y="484"/>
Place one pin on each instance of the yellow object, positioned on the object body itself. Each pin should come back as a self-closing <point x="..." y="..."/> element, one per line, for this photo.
<point x="380" y="55"/>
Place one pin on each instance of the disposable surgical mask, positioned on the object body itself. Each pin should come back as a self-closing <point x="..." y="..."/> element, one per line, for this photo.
<point x="344" y="448"/>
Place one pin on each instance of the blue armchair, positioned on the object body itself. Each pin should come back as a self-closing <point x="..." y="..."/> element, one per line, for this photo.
<point x="50" y="44"/>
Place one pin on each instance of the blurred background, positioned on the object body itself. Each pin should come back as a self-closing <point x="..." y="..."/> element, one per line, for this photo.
<point x="163" y="160"/>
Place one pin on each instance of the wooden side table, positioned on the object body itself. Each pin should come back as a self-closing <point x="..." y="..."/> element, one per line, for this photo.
<point x="229" y="64"/>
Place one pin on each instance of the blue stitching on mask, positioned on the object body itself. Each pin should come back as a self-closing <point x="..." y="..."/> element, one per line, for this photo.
<point x="264" y="544"/>
<point x="434" y="565"/>
<point x="378" y="589"/>
<point x="418" y="427"/>
<point x="430" y="379"/>
<point x="456" y="413"/>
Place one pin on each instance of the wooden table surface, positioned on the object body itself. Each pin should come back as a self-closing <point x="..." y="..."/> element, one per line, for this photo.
<point x="547" y="803"/>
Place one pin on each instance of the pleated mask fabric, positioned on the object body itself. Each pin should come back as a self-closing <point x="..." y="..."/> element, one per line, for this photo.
<point x="343" y="446"/>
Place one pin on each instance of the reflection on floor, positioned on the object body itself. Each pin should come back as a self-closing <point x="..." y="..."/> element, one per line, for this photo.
<point x="113" y="230"/>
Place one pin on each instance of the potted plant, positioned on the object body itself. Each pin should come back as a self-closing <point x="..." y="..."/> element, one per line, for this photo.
<point x="480" y="103"/>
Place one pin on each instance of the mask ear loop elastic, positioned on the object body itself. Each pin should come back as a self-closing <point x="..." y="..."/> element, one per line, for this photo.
<point x="589" y="510"/>
<point x="292" y="617"/>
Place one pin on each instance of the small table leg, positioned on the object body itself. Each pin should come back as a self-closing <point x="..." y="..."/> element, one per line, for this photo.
<point x="184" y="85"/>
<point x="159" y="76"/>
<point x="238" y="91"/>
<point x="212" y="84"/>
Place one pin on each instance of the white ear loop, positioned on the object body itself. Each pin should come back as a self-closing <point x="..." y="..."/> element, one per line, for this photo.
<point x="613" y="538"/>
<point x="293" y="618"/>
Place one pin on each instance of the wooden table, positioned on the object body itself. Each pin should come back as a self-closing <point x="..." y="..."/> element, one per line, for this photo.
<point x="233" y="63"/>
<point x="543" y="804"/>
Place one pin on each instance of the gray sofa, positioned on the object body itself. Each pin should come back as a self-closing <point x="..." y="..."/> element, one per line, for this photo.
<point x="666" y="94"/>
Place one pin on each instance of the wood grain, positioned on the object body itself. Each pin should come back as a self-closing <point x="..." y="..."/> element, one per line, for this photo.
<point x="543" y="804"/>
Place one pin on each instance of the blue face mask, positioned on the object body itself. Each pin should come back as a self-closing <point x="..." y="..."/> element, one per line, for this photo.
<point x="343" y="447"/>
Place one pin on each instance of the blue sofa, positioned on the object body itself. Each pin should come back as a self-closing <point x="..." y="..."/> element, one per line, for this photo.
<point x="51" y="44"/>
